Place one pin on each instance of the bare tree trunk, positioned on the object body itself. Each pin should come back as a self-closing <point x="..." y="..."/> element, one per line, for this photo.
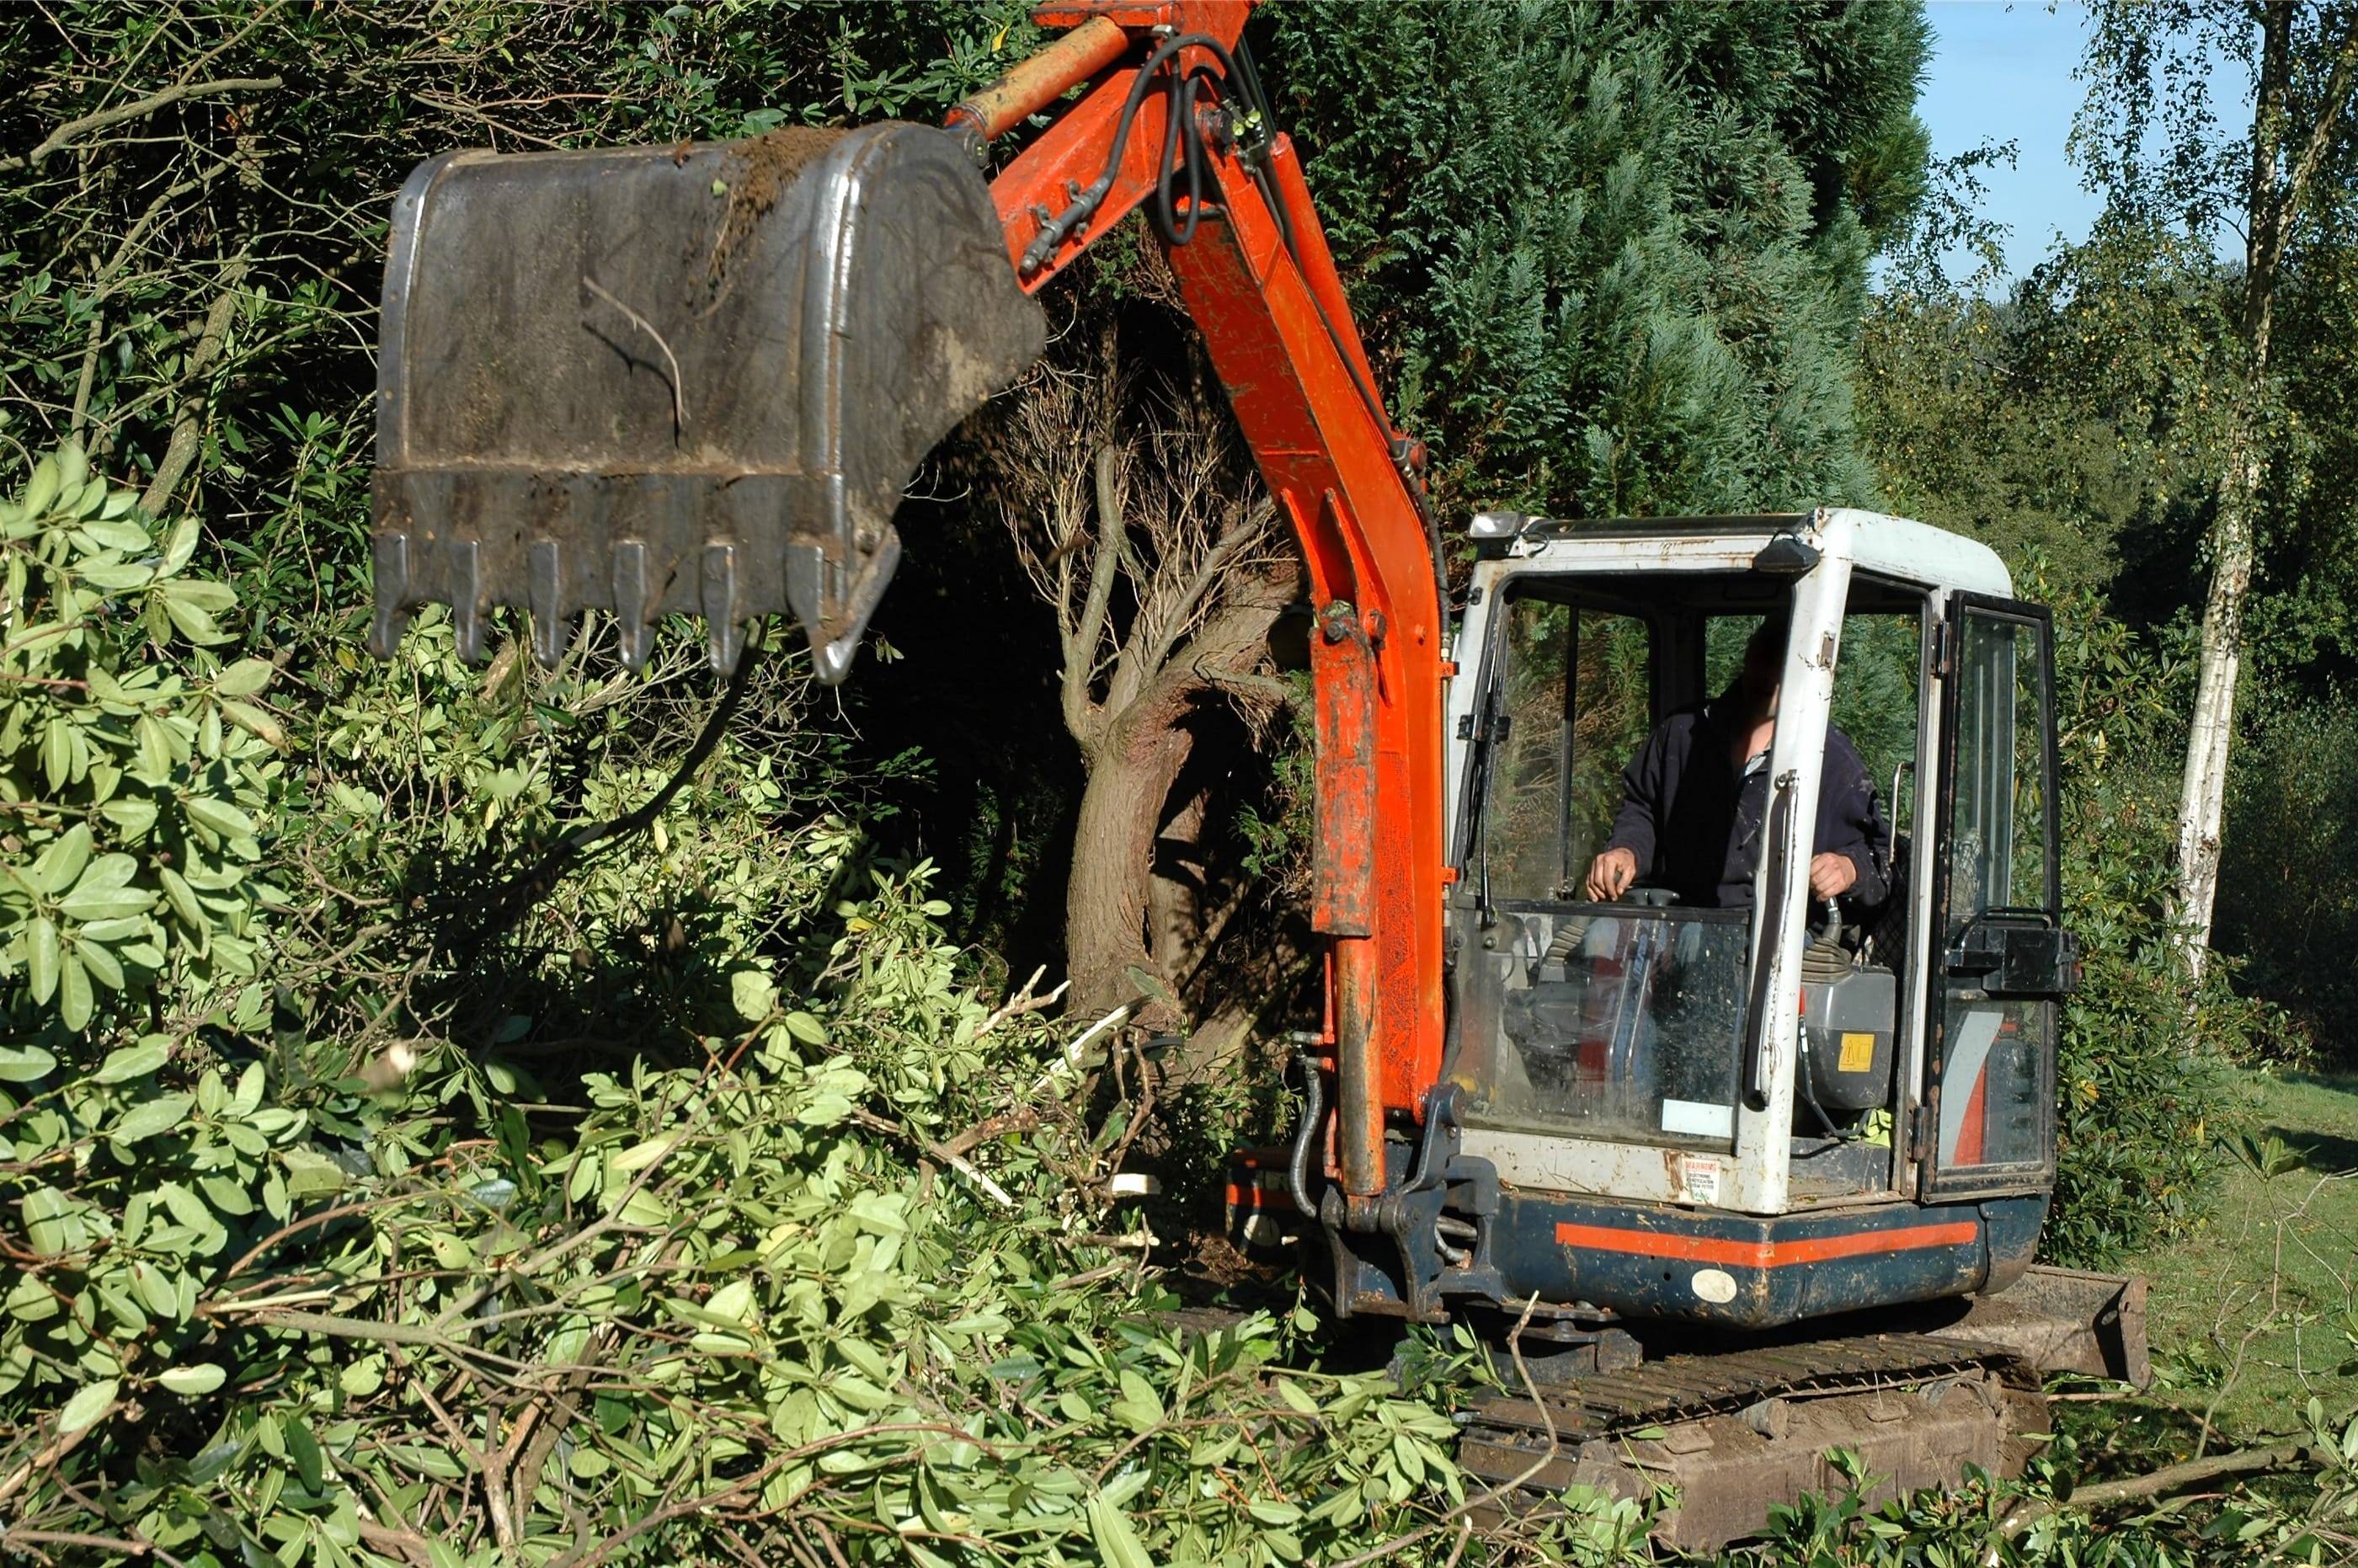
<point x="2272" y="205"/>
<point x="1138" y="522"/>
<point x="1113" y="863"/>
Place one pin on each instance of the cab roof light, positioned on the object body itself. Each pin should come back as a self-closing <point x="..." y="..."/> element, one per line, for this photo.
<point x="1498" y="525"/>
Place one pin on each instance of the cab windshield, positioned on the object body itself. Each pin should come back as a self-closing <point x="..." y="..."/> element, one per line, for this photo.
<point x="1620" y="1013"/>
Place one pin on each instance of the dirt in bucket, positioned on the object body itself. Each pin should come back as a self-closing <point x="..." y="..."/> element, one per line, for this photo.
<point x="757" y="170"/>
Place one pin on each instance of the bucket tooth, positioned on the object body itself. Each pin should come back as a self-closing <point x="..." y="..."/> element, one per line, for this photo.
<point x="807" y="584"/>
<point x="390" y="553"/>
<point x="631" y="606"/>
<point x="780" y="330"/>
<point x="467" y="598"/>
<point x="725" y="629"/>
<point x="545" y="566"/>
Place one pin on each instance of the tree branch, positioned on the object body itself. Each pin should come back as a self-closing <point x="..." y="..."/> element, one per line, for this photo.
<point x="1080" y="652"/>
<point x="2159" y="1483"/>
<point x="137" y="109"/>
<point x="1250" y="529"/>
<point x="2329" y="109"/>
<point x="180" y="451"/>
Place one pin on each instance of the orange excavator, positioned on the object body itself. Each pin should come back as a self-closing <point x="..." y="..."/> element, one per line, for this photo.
<point x="1751" y="1179"/>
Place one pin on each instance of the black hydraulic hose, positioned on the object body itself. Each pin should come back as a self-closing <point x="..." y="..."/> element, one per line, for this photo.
<point x="1181" y="151"/>
<point x="1053" y="233"/>
<point x="1314" y="1115"/>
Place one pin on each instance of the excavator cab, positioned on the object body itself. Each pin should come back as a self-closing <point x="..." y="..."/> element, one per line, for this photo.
<point x="1866" y="1080"/>
<point x="1716" y="1096"/>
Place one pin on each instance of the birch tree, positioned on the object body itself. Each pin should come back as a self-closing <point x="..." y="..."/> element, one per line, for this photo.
<point x="2152" y="138"/>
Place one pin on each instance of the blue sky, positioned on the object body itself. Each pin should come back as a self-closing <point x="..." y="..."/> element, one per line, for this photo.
<point x="2003" y="70"/>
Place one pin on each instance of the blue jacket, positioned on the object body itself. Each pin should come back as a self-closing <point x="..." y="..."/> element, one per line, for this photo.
<point x="1696" y="827"/>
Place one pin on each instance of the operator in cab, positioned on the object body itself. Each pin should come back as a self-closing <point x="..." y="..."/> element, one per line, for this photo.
<point x="1695" y="802"/>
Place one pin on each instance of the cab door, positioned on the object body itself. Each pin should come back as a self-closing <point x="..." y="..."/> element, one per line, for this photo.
<point x="2002" y="960"/>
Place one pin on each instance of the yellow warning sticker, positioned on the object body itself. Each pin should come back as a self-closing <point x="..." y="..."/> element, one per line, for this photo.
<point x="1857" y="1054"/>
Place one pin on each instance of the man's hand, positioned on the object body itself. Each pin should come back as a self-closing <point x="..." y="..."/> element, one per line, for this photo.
<point x="1611" y="874"/>
<point x="1830" y="875"/>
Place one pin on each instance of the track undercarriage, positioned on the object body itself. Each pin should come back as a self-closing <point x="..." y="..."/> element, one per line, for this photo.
<point x="1723" y="1435"/>
<point x="1720" y="1430"/>
<point x="1724" y="1438"/>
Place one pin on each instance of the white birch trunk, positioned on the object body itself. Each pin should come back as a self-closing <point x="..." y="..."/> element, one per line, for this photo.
<point x="2203" y="790"/>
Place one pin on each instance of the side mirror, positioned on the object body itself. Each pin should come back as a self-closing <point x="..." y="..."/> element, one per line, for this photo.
<point x="2016" y="957"/>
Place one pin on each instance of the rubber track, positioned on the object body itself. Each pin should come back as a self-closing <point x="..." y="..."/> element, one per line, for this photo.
<point x="1688" y="1388"/>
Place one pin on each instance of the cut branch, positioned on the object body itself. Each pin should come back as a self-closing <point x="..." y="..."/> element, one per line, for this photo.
<point x="137" y="109"/>
<point x="188" y="426"/>
<point x="2162" y="1482"/>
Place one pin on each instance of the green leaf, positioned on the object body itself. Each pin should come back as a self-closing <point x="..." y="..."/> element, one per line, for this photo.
<point x="43" y="1211"/>
<point x="132" y="816"/>
<point x="132" y="1061"/>
<point x="76" y="1002"/>
<point x="114" y="533"/>
<point x="183" y="899"/>
<point x="156" y="1289"/>
<point x="303" y="1448"/>
<point x="195" y="623"/>
<point x="244" y="679"/>
<point x="642" y="1154"/>
<point x="255" y="722"/>
<point x="41" y="958"/>
<point x="24" y="1064"/>
<point x="41" y="489"/>
<point x="202" y="1377"/>
<point x="154" y="748"/>
<point x="219" y="816"/>
<point x="1140" y="1407"/>
<point x="311" y="1174"/>
<point x="151" y="1117"/>
<point x="106" y="903"/>
<point x="57" y="754"/>
<point x="98" y="960"/>
<point x="753" y="994"/>
<point x="823" y="1110"/>
<point x="214" y="597"/>
<point x="733" y="1301"/>
<point x="806" y="1028"/>
<point x="248" y="1093"/>
<point x="61" y="865"/>
<point x="1115" y="1538"/>
<point x="179" y="546"/>
<point x="90" y="1402"/>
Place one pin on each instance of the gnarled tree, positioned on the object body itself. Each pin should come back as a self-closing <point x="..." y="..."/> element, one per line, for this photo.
<point x="1135" y="509"/>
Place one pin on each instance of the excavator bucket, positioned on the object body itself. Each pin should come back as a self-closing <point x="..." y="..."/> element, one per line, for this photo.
<point x="689" y="380"/>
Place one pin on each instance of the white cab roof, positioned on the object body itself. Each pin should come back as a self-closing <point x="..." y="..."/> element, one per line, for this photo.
<point x="1889" y="546"/>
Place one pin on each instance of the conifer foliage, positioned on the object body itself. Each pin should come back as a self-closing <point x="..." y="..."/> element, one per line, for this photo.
<point x="1613" y="256"/>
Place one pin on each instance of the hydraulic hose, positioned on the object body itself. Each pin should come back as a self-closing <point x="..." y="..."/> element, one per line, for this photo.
<point x="1314" y="1115"/>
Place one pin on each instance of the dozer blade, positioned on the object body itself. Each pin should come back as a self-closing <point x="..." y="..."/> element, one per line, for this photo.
<point x="2065" y="1320"/>
<point x="689" y="380"/>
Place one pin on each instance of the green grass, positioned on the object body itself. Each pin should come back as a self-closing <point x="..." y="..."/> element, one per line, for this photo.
<point x="2255" y="1314"/>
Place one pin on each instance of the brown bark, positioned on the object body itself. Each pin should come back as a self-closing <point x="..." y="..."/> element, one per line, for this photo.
<point x="1166" y="574"/>
<point x="1132" y="769"/>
